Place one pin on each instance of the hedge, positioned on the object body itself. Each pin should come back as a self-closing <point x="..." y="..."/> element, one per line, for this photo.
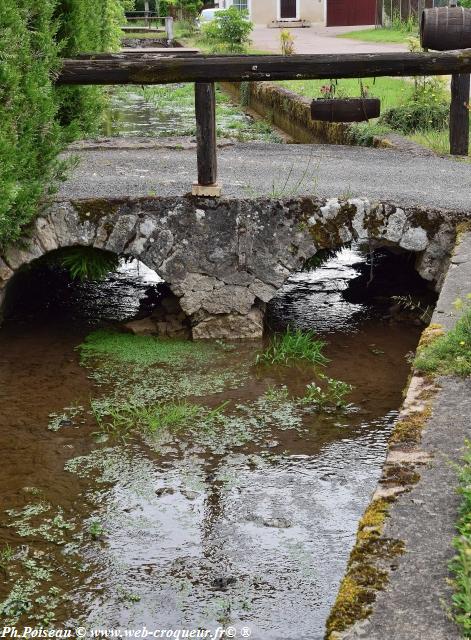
<point x="36" y="120"/>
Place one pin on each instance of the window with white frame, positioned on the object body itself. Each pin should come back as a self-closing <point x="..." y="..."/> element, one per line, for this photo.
<point x="242" y="5"/>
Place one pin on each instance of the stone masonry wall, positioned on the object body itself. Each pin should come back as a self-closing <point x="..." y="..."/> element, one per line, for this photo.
<point x="224" y="259"/>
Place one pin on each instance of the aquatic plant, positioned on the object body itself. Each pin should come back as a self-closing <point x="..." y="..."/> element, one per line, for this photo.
<point x="87" y="263"/>
<point x="143" y="350"/>
<point x="331" y="395"/>
<point x="6" y="556"/>
<point x="96" y="529"/>
<point x="291" y="346"/>
<point x="277" y="394"/>
<point x="123" y="420"/>
<point x="449" y="354"/>
<point x="58" y="420"/>
<point x="408" y="303"/>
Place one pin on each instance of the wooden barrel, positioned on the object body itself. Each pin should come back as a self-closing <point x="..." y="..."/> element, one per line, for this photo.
<point x="345" y="109"/>
<point x="446" y="28"/>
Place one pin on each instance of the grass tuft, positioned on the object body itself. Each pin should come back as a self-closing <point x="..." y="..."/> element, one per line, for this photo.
<point x="123" y="420"/>
<point x="448" y="354"/>
<point x="291" y="346"/>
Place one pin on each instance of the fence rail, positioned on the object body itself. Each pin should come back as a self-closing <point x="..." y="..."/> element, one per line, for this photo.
<point x="148" y="19"/>
<point x="204" y="71"/>
<point x="204" y="68"/>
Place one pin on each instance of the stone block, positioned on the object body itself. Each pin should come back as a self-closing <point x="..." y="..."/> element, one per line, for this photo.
<point x="144" y="327"/>
<point x="231" y="326"/>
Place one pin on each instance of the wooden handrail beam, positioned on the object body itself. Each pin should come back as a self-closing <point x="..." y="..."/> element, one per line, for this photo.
<point x="256" y="68"/>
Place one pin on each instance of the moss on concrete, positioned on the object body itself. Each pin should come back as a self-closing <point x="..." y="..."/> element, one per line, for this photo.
<point x="365" y="576"/>
<point x="409" y="429"/>
<point x="94" y="209"/>
<point x="402" y="475"/>
<point x="327" y="234"/>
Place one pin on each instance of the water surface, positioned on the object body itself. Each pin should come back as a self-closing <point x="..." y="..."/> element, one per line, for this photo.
<point x="248" y="523"/>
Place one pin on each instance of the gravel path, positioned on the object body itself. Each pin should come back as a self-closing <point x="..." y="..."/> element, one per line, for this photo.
<point x="320" y="39"/>
<point x="123" y="168"/>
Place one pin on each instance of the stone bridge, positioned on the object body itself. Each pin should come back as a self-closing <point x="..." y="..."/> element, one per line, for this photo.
<point x="226" y="258"/>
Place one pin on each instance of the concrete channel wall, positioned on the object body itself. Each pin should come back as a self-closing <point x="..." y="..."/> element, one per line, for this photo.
<point x="397" y="583"/>
<point x="291" y="113"/>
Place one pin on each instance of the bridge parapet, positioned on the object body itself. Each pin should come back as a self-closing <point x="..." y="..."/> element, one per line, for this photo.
<point x="226" y="258"/>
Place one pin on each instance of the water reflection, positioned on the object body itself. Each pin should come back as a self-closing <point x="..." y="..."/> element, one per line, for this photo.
<point x="315" y="299"/>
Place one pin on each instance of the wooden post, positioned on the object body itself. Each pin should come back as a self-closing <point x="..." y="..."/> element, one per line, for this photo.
<point x="169" y="29"/>
<point x="459" y="114"/>
<point x="205" y="105"/>
<point x="147" y="10"/>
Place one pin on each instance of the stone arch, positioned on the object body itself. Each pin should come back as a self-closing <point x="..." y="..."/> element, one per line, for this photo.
<point x="225" y="259"/>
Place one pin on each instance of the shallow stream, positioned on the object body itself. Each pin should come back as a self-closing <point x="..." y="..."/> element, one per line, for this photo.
<point x="243" y="518"/>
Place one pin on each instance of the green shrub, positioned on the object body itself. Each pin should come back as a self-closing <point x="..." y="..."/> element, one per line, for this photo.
<point x="364" y="133"/>
<point x="428" y="108"/>
<point x="229" y="32"/>
<point x="33" y="35"/>
<point x="30" y="139"/>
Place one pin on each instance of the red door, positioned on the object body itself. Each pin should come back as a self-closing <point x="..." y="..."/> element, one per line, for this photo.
<point x="288" y="9"/>
<point x="342" y="13"/>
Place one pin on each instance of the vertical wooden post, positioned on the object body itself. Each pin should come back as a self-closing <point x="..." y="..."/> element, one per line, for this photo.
<point x="205" y="106"/>
<point x="459" y="114"/>
<point x="147" y="9"/>
<point x="169" y="29"/>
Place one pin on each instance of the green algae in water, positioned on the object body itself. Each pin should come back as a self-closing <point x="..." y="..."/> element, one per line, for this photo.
<point x="143" y="350"/>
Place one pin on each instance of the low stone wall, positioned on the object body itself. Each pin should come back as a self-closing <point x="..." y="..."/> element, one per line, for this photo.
<point x="288" y="111"/>
<point x="226" y="258"/>
<point x="397" y="582"/>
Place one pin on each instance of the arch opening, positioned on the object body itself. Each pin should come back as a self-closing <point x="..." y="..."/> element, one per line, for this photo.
<point x="339" y="289"/>
<point x="93" y="286"/>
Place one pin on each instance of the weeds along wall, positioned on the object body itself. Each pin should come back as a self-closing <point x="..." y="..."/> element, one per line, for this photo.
<point x="36" y="119"/>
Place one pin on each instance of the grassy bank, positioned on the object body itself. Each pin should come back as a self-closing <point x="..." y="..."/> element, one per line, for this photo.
<point x="461" y="565"/>
<point x="438" y="141"/>
<point x="396" y="36"/>
<point x="447" y="353"/>
<point x="391" y="91"/>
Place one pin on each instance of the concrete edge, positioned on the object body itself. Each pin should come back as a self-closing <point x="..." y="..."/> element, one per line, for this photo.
<point x="374" y="556"/>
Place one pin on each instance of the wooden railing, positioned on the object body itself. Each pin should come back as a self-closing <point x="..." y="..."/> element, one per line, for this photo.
<point x="204" y="71"/>
<point x="148" y="18"/>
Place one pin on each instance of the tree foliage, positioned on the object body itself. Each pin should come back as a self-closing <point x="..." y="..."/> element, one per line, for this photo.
<point x="35" y="118"/>
<point x="29" y="134"/>
<point x="180" y="9"/>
